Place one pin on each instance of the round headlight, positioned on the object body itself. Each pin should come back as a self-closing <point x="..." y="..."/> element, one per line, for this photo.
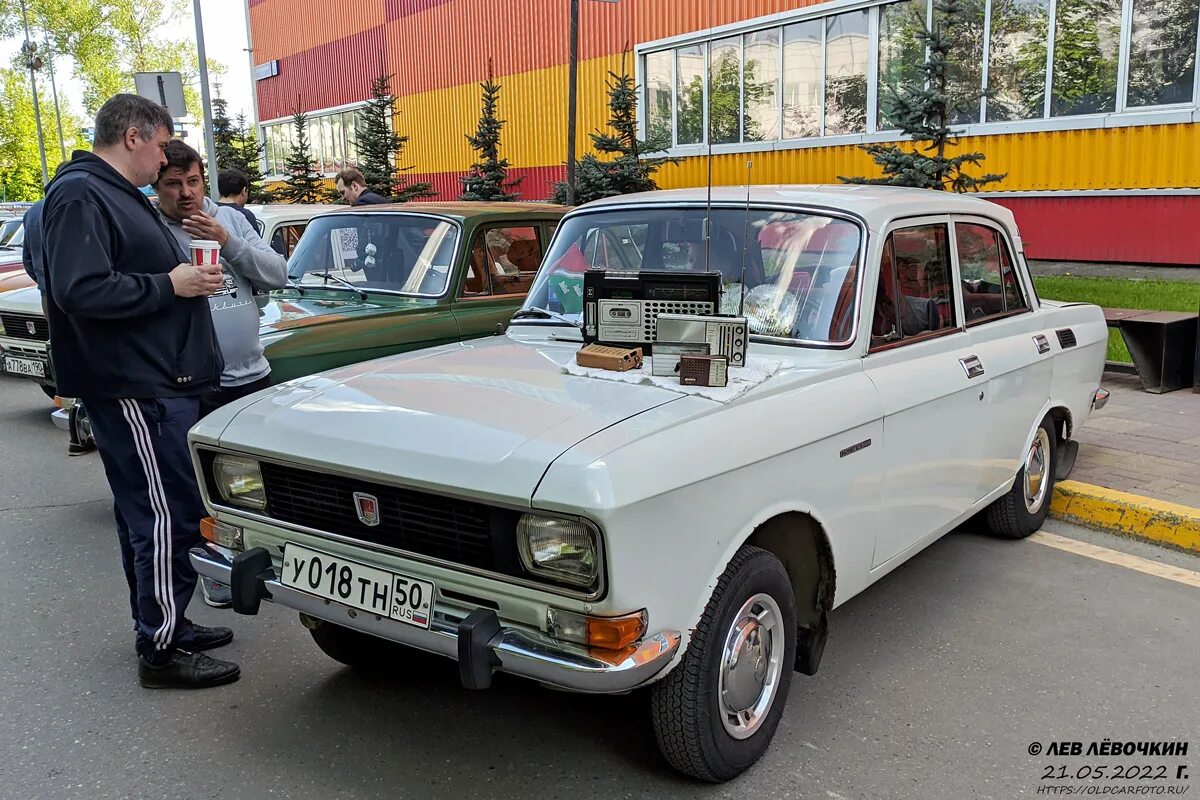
<point x="560" y="549"/>
<point x="239" y="480"/>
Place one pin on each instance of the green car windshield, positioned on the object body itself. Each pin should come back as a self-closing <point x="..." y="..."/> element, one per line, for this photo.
<point x="407" y="254"/>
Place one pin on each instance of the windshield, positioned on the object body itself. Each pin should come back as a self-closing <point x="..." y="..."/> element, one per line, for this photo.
<point x="406" y="253"/>
<point x="9" y="229"/>
<point x="800" y="269"/>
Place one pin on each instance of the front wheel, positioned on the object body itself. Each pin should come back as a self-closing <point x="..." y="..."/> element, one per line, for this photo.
<point x="717" y="711"/>
<point x="1025" y="507"/>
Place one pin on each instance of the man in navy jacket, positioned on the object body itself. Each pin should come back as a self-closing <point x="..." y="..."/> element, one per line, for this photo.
<point x="133" y="338"/>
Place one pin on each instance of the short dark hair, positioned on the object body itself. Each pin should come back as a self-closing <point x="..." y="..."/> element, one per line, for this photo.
<point x="124" y="111"/>
<point x="180" y="155"/>
<point x="350" y="175"/>
<point x="231" y="182"/>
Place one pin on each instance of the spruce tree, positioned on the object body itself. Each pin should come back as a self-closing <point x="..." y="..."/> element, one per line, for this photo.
<point x="224" y="136"/>
<point x="488" y="178"/>
<point x="303" y="183"/>
<point x="380" y="147"/>
<point x="922" y="110"/>
<point x="623" y="170"/>
<point x="248" y="153"/>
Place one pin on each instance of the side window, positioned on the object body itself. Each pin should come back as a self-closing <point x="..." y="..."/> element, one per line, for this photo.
<point x="503" y="261"/>
<point x="990" y="285"/>
<point x="914" y="298"/>
<point x="285" y="237"/>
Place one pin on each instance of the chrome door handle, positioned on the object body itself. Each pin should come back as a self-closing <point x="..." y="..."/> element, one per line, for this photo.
<point x="972" y="365"/>
<point x="1042" y="344"/>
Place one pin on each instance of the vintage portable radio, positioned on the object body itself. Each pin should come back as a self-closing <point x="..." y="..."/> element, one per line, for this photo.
<point x="703" y="370"/>
<point x="665" y="361"/>
<point x="622" y="308"/>
<point x="619" y="359"/>
<point x="726" y="336"/>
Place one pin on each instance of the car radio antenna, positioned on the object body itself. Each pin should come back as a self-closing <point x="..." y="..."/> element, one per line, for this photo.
<point x="745" y="241"/>
<point x="708" y="140"/>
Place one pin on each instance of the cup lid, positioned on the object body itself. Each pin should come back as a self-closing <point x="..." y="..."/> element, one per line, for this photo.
<point x="206" y="244"/>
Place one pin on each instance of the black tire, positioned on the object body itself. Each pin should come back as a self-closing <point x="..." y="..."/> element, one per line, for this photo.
<point x="686" y="705"/>
<point x="1010" y="516"/>
<point x="352" y="648"/>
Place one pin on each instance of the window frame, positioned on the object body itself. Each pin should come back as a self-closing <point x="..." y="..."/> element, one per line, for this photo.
<point x="279" y="126"/>
<point x="1121" y="116"/>
<point x="885" y="235"/>
<point x="983" y="222"/>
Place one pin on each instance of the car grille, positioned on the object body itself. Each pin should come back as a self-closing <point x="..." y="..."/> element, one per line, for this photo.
<point x="427" y="524"/>
<point x="17" y="327"/>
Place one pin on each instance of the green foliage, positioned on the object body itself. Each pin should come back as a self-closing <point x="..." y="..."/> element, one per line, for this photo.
<point x="224" y="135"/>
<point x="623" y="170"/>
<point x="488" y="179"/>
<point x="380" y="147"/>
<point x="303" y="183"/>
<point x="247" y="157"/>
<point x="923" y="110"/>
<point x="20" y="164"/>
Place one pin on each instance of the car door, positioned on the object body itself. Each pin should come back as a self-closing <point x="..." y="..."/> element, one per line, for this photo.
<point x="1007" y="338"/>
<point x="502" y="261"/>
<point x="920" y="360"/>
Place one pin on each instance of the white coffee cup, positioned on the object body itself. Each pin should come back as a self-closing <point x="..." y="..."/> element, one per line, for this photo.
<point x="205" y="252"/>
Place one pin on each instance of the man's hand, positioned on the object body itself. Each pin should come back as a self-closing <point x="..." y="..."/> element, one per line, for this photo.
<point x="202" y="226"/>
<point x="189" y="280"/>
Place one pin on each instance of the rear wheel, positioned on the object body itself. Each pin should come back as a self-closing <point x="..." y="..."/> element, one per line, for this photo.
<point x="1025" y="507"/>
<point x="717" y="711"/>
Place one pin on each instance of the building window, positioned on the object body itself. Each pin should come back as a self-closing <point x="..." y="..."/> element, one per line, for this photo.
<point x="839" y="74"/>
<point x="803" y="67"/>
<point x="847" y="49"/>
<point x="1162" y="56"/>
<point x="331" y="137"/>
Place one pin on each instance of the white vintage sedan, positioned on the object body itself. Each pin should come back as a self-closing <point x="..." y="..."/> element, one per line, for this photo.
<point x="491" y="502"/>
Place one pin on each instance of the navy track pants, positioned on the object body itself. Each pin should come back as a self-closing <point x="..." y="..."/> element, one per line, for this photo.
<point x="143" y="444"/>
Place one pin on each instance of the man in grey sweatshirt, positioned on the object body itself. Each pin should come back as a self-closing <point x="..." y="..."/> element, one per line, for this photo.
<point x="249" y="263"/>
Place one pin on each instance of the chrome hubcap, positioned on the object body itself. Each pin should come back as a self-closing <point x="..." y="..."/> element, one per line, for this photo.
<point x="1036" y="469"/>
<point x="751" y="664"/>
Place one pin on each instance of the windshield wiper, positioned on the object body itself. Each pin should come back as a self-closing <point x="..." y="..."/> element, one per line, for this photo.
<point x="342" y="283"/>
<point x="542" y="313"/>
<point x="291" y="284"/>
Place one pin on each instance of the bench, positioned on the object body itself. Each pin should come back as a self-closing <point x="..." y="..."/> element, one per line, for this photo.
<point x="1162" y="344"/>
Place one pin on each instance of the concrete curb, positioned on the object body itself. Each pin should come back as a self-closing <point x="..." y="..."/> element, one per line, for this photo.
<point x="1127" y="514"/>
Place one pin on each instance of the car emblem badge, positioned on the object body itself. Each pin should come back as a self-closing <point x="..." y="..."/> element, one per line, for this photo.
<point x="29" y="326"/>
<point x="367" y="506"/>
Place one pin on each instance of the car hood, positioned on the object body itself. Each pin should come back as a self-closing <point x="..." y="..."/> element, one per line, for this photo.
<point x="22" y="301"/>
<point x="281" y="311"/>
<point x="14" y="279"/>
<point x="487" y="416"/>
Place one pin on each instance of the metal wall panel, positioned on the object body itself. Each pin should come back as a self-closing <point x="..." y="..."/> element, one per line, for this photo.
<point x="322" y="77"/>
<point x="1129" y="229"/>
<point x="537" y="182"/>
<point x="284" y="28"/>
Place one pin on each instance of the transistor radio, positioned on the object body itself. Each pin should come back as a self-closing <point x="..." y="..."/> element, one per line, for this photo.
<point x="695" y="370"/>
<point x="622" y="308"/>
<point x="726" y="336"/>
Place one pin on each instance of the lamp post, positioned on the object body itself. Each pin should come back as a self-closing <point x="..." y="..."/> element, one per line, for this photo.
<point x="210" y="141"/>
<point x="34" y="61"/>
<point x="62" y="143"/>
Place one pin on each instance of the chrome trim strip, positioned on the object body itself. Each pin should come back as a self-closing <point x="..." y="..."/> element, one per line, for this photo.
<point x="1100" y="398"/>
<point x="524" y="652"/>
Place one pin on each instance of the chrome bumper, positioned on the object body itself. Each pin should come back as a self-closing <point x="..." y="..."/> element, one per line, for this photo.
<point x="1099" y="398"/>
<point x="519" y="651"/>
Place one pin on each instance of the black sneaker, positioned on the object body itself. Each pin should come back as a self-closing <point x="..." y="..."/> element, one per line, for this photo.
<point x="187" y="670"/>
<point x="206" y="638"/>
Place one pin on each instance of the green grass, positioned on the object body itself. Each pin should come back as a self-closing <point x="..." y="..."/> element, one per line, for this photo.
<point x="1120" y="293"/>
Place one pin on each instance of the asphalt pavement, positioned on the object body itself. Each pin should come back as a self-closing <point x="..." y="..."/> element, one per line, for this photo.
<point x="936" y="682"/>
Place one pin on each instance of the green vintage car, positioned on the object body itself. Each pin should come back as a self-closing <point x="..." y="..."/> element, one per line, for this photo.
<point x="375" y="280"/>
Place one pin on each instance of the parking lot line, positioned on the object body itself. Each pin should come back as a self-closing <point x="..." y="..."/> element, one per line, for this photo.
<point x="1136" y="563"/>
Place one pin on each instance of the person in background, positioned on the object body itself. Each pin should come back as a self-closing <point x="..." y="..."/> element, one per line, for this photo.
<point x="133" y="338"/>
<point x="351" y="184"/>
<point x="249" y="265"/>
<point x="234" y="187"/>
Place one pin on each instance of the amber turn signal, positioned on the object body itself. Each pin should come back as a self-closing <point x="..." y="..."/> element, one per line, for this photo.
<point x="615" y="633"/>
<point x="221" y="533"/>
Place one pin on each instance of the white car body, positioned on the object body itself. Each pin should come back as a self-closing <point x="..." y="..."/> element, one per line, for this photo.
<point x="878" y="453"/>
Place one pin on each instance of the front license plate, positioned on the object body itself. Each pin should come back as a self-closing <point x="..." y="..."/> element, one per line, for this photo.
<point x="376" y="591"/>
<point x="24" y="366"/>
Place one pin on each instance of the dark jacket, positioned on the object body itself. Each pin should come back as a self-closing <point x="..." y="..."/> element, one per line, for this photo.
<point x="369" y="198"/>
<point x="31" y="253"/>
<point x="117" y="330"/>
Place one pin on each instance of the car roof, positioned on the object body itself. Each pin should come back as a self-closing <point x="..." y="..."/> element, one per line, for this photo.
<point x="877" y="205"/>
<point x="461" y="210"/>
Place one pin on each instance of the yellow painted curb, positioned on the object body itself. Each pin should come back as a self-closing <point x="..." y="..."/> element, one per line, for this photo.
<point x="1127" y="514"/>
